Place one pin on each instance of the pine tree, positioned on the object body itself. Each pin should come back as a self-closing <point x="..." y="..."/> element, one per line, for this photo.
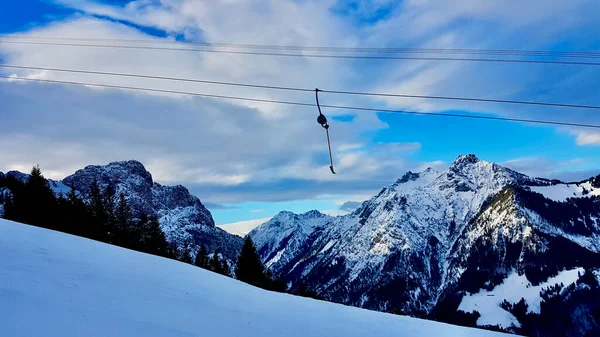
<point x="15" y="206"/>
<point x="123" y="212"/>
<point x="123" y="231"/>
<point x="201" y="258"/>
<point x="225" y="270"/>
<point x="249" y="268"/>
<point x="74" y="212"/>
<point x="186" y="255"/>
<point x="98" y="230"/>
<point x="40" y="202"/>
<point x="9" y="209"/>
<point x="111" y="223"/>
<point x="155" y="240"/>
<point x="215" y="263"/>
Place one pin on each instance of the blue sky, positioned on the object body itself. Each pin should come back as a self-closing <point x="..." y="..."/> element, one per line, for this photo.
<point x="249" y="161"/>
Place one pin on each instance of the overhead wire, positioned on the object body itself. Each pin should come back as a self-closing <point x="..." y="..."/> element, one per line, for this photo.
<point x="353" y="108"/>
<point x="304" y="55"/>
<point x="506" y="52"/>
<point x="285" y="88"/>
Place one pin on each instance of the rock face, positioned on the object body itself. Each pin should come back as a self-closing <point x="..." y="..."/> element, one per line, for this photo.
<point x="432" y="235"/>
<point x="183" y="218"/>
<point x="285" y="234"/>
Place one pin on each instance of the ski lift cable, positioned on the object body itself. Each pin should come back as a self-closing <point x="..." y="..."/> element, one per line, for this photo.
<point x="507" y="52"/>
<point x="341" y="107"/>
<point x="320" y="56"/>
<point x="271" y="87"/>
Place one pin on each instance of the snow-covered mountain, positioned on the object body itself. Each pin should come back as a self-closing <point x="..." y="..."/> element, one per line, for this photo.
<point x="432" y="236"/>
<point x="183" y="218"/>
<point x="279" y="239"/>
<point x="58" y="285"/>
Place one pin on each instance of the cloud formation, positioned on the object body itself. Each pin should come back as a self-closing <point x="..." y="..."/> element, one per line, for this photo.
<point x="233" y="151"/>
<point x="350" y="206"/>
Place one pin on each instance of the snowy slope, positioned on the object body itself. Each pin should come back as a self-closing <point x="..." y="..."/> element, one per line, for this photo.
<point x="513" y="288"/>
<point x="562" y="191"/>
<point x="57" y="285"/>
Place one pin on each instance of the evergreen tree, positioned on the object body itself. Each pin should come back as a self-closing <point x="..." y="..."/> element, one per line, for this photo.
<point x="124" y="234"/>
<point x="186" y="255"/>
<point x="215" y="263"/>
<point x="40" y="202"/>
<point x="123" y="212"/>
<point x="225" y="270"/>
<point x="74" y="212"/>
<point x="275" y="284"/>
<point x="249" y="268"/>
<point x="103" y="218"/>
<point x="9" y="209"/>
<point x="303" y="291"/>
<point x="201" y="258"/>
<point x="99" y="215"/>
<point x="154" y="240"/>
<point x="111" y="223"/>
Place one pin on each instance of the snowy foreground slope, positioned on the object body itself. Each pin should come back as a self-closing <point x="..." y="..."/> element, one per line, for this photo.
<point x="54" y="284"/>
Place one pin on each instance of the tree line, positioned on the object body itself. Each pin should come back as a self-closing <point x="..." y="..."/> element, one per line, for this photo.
<point x="103" y="216"/>
<point x="107" y="217"/>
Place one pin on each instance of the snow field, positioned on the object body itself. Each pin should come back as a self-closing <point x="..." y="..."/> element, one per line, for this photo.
<point x="58" y="285"/>
<point x="514" y="287"/>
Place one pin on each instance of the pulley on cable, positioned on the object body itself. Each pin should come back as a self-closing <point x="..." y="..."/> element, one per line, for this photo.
<point x="323" y="121"/>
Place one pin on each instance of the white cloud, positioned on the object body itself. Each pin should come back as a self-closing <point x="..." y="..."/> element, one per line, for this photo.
<point x="242" y="228"/>
<point x="588" y="138"/>
<point x="437" y="165"/>
<point x="393" y="147"/>
<point x="349" y="206"/>
<point x="233" y="151"/>
<point x="565" y="170"/>
<point x="335" y="212"/>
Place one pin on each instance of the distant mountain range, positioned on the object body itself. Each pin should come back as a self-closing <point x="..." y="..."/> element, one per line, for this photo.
<point x="429" y="239"/>
<point x="442" y="245"/>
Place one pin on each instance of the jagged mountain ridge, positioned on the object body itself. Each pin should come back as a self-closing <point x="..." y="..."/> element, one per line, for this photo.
<point x="182" y="216"/>
<point x="423" y="237"/>
<point x="285" y="233"/>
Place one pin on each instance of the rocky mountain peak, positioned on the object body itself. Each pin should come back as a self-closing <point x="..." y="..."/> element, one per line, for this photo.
<point x="462" y="160"/>
<point x="131" y="172"/>
<point x="408" y="176"/>
<point x="20" y="176"/>
<point x="314" y="214"/>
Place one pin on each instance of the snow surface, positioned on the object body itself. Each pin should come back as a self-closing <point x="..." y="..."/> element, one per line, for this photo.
<point x="54" y="284"/>
<point x="512" y="289"/>
<point x="59" y="188"/>
<point x="560" y="192"/>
